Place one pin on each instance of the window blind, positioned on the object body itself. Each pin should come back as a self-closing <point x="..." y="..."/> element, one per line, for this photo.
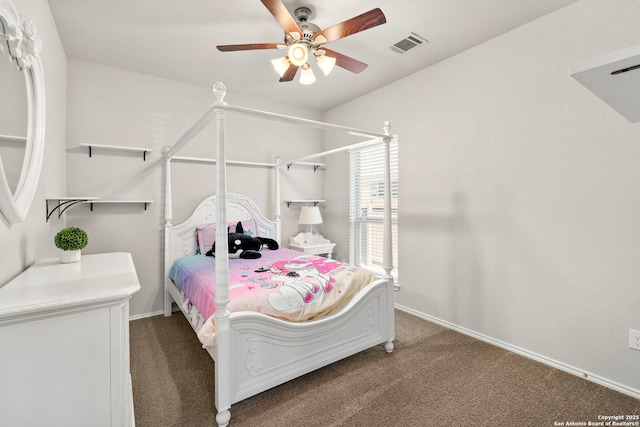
<point x="366" y="210"/>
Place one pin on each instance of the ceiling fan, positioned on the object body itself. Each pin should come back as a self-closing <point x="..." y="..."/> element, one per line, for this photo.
<point x="305" y="39"/>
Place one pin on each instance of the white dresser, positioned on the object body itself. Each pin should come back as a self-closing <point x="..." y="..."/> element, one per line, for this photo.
<point x="64" y="343"/>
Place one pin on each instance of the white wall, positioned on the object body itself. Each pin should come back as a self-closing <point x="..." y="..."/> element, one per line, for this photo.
<point x="519" y="201"/>
<point x="117" y="107"/>
<point x="23" y="243"/>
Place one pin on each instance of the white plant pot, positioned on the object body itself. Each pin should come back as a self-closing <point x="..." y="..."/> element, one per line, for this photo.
<point x="67" y="257"/>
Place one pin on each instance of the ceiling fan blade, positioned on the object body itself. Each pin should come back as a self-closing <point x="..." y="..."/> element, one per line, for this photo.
<point x="289" y="74"/>
<point x="282" y="15"/>
<point x="351" y="26"/>
<point x="250" y="46"/>
<point x="345" y="61"/>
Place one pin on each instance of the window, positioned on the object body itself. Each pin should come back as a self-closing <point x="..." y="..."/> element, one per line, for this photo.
<point x="366" y="213"/>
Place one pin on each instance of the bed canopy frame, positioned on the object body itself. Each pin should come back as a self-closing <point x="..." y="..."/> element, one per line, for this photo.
<point x="366" y="321"/>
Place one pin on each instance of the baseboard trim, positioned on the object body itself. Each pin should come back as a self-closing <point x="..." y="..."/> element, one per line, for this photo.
<point x="529" y="354"/>
<point x="153" y="313"/>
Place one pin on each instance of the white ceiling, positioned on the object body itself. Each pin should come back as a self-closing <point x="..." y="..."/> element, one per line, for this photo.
<point x="177" y="40"/>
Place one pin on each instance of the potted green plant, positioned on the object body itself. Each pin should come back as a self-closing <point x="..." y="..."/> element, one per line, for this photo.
<point x="71" y="241"/>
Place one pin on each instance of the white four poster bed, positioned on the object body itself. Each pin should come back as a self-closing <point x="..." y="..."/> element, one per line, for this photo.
<point x="254" y="352"/>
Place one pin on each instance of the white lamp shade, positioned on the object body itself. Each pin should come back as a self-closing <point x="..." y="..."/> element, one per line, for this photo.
<point x="310" y="215"/>
<point x="281" y="65"/>
<point x="326" y="63"/>
<point x="306" y="75"/>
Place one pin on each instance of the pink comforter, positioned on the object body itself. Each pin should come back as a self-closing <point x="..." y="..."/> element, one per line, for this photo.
<point x="283" y="283"/>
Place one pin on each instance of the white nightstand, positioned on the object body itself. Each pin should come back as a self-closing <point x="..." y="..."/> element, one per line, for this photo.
<point x="314" y="248"/>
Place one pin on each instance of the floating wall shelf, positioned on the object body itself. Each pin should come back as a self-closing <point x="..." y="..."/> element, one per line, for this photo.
<point x="314" y="201"/>
<point x="64" y="203"/>
<point x="314" y="165"/>
<point x="146" y="203"/>
<point x="144" y="151"/>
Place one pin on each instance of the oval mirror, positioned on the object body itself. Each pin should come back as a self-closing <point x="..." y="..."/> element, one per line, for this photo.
<point x="20" y="45"/>
<point x="13" y="119"/>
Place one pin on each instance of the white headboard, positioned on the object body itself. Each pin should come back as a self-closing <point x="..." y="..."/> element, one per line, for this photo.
<point x="239" y="208"/>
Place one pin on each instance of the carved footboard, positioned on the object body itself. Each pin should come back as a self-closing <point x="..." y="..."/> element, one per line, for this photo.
<point x="268" y="352"/>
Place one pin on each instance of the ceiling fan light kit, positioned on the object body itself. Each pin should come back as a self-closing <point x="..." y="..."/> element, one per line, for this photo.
<point x="304" y="39"/>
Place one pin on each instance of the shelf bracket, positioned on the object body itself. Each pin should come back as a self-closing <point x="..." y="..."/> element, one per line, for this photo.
<point x="62" y="206"/>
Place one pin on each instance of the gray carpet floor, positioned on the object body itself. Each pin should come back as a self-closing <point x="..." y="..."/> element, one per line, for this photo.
<point x="435" y="377"/>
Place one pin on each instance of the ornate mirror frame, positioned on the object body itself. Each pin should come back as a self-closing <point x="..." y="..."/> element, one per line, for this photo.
<point x="22" y="43"/>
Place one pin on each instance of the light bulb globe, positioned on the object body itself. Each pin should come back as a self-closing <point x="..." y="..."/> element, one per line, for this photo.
<point x="298" y="54"/>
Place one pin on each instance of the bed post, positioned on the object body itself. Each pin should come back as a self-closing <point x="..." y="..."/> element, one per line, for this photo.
<point x="276" y="201"/>
<point x="387" y="256"/>
<point x="168" y="217"/>
<point x="223" y="323"/>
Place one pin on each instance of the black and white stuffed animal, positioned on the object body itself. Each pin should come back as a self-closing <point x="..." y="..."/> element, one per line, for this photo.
<point x="244" y="246"/>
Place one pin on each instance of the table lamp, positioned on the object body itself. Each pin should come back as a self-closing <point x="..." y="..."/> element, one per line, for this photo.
<point x="310" y="215"/>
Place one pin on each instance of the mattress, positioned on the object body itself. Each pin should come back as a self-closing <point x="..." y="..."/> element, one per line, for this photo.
<point x="283" y="283"/>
